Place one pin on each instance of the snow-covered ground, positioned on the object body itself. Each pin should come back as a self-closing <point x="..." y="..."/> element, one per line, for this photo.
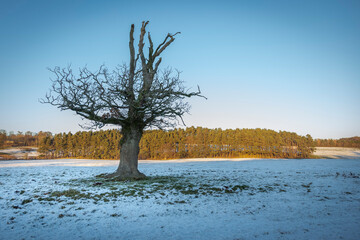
<point x="21" y="152"/>
<point x="252" y="199"/>
<point x="337" y="152"/>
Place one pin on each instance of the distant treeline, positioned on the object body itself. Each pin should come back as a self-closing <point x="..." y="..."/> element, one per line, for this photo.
<point x="20" y="139"/>
<point x="179" y="143"/>
<point x="213" y="143"/>
<point x="353" y="142"/>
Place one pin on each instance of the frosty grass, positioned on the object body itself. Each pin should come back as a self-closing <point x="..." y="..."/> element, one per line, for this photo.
<point x="212" y="199"/>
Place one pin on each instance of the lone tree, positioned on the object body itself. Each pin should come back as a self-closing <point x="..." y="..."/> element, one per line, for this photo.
<point x="134" y="97"/>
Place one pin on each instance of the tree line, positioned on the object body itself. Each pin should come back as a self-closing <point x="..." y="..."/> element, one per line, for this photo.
<point x="353" y="142"/>
<point x="20" y="139"/>
<point x="214" y="143"/>
<point x="178" y="143"/>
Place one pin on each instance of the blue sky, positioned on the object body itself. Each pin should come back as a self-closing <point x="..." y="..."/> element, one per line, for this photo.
<point x="282" y="65"/>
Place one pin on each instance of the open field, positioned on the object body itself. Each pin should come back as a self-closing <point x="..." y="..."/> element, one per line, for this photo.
<point x="337" y="152"/>
<point x="249" y="199"/>
<point x="19" y="153"/>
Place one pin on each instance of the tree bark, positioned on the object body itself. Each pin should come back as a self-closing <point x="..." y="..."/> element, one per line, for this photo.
<point x="129" y="152"/>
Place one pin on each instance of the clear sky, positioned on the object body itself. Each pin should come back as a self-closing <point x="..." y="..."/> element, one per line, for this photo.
<point x="282" y="65"/>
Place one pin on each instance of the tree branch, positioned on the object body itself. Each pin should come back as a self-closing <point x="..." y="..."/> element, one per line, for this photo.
<point x="128" y="95"/>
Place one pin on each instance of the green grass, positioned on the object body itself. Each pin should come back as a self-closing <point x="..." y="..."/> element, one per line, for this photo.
<point x="152" y="187"/>
<point x="25" y="201"/>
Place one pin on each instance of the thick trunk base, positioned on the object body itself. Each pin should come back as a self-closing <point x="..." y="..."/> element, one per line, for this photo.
<point x="125" y="176"/>
<point x="129" y="152"/>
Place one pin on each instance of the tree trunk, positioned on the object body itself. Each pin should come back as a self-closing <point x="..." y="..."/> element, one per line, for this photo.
<point x="129" y="152"/>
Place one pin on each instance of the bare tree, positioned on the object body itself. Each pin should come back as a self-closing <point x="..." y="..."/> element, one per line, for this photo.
<point x="134" y="97"/>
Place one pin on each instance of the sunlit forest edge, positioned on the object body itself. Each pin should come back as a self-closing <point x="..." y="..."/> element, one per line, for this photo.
<point x="173" y="144"/>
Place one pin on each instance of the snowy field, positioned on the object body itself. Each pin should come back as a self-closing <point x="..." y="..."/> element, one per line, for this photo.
<point x="337" y="152"/>
<point x="230" y="199"/>
<point x="20" y="152"/>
